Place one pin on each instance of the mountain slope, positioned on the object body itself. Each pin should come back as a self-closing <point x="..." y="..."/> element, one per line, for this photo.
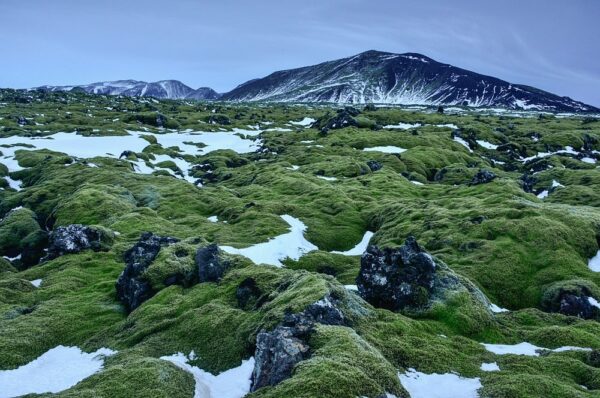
<point x="409" y="78"/>
<point x="164" y="89"/>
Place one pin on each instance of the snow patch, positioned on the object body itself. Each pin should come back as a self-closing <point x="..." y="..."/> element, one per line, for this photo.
<point x="421" y="385"/>
<point x="385" y="149"/>
<point x="402" y="126"/>
<point x="495" y="309"/>
<point x="360" y="247"/>
<point x="487" y="145"/>
<point x="213" y="219"/>
<point x="232" y="383"/>
<point x="56" y="370"/>
<point x="289" y="245"/>
<point x="462" y="142"/>
<point x="307" y="121"/>
<point x="594" y="263"/>
<point x="36" y="282"/>
<point x="490" y="367"/>
<point x="526" y="348"/>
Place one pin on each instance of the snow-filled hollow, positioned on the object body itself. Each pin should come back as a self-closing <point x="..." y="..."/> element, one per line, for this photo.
<point x="56" y="370"/>
<point x="385" y="149"/>
<point x="594" y="262"/>
<point x="360" y="247"/>
<point x="526" y="349"/>
<point x="232" y="383"/>
<point x="422" y="385"/>
<point x="291" y="245"/>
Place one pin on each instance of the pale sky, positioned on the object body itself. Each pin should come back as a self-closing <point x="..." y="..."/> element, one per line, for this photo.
<point x="552" y="45"/>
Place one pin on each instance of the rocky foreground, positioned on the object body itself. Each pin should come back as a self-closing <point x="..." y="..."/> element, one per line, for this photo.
<point x="183" y="249"/>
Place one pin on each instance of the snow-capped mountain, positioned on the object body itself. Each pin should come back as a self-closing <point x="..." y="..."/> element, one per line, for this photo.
<point x="164" y="89"/>
<point x="381" y="77"/>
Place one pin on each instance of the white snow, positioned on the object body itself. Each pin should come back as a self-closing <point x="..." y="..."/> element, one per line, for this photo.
<point x="353" y="288"/>
<point x="494" y="308"/>
<point x="402" y="126"/>
<point x="449" y="125"/>
<point x="526" y="348"/>
<point x="594" y="263"/>
<point x="462" y="142"/>
<point x="543" y="194"/>
<point x="327" y="178"/>
<point x="487" y="145"/>
<point x="291" y="244"/>
<point x="416" y="182"/>
<point x="232" y="383"/>
<point x="88" y="147"/>
<point x="385" y="149"/>
<point x="588" y="160"/>
<point x="212" y="219"/>
<point x="490" y="367"/>
<point x="593" y="302"/>
<point x="307" y="121"/>
<point x="36" y="282"/>
<point x="293" y="167"/>
<point x="56" y="370"/>
<point x="447" y="385"/>
<point x="360" y="247"/>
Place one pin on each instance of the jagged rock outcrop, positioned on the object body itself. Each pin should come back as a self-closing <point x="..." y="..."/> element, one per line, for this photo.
<point x="483" y="177"/>
<point x="132" y="288"/>
<point x="343" y="118"/>
<point x="396" y="278"/>
<point x="73" y="239"/>
<point x="409" y="279"/>
<point x="210" y="266"/>
<point x="374" y="165"/>
<point x="278" y="351"/>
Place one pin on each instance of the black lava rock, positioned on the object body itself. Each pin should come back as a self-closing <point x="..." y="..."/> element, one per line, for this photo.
<point x="573" y="298"/>
<point x="73" y="239"/>
<point x="210" y="267"/>
<point x="218" y="119"/>
<point x="528" y="182"/>
<point x="132" y="288"/>
<point x="396" y="278"/>
<point x="483" y="177"/>
<point x="374" y="165"/>
<point x="125" y="154"/>
<point x="343" y="118"/>
<point x="277" y="352"/>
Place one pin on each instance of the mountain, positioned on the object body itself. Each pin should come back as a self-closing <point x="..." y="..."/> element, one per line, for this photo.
<point x="164" y="89"/>
<point x="410" y="78"/>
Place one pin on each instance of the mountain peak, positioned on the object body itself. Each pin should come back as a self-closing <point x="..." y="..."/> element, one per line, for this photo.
<point x="407" y="79"/>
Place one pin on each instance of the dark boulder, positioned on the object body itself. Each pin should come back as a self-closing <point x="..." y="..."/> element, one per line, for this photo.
<point x="343" y="118"/>
<point x="468" y="136"/>
<point x="210" y="266"/>
<point x="374" y="165"/>
<point x="218" y="119"/>
<point x="572" y="298"/>
<point x="125" y="154"/>
<point x="528" y="181"/>
<point x="161" y="120"/>
<point x="277" y="353"/>
<point x="21" y="121"/>
<point x="396" y="278"/>
<point x="73" y="239"/>
<point x="132" y="288"/>
<point x="483" y="177"/>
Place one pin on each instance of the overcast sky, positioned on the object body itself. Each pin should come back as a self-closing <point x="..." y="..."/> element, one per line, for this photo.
<point x="552" y="45"/>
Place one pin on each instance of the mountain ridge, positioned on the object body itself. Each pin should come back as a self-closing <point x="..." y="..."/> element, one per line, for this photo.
<point x="405" y="79"/>
<point x="162" y="89"/>
<point x="369" y="77"/>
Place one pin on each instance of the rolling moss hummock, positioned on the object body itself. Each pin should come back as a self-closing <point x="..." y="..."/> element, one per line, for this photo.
<point x="518" y="249"/>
